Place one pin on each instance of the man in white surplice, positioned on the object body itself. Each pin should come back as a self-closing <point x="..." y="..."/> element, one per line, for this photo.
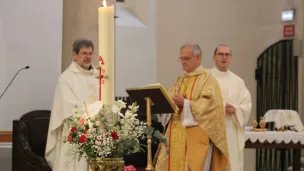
<point x="76" y="85"/>
<point x="237" y="102"/>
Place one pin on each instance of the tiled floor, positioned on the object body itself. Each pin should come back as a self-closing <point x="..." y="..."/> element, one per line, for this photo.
<point x="5" y="156"/>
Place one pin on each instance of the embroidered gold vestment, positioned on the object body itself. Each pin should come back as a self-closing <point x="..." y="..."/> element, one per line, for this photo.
<point x="207" y="108"/>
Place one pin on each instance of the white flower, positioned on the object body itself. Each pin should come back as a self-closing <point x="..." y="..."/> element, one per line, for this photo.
<point x="121" y="115"/>
<point x="128" y="114"/>
<point x="91" y="124"/>
<point x="120" y="104"/>
<point x="136" y="122"/>
<point x="92" y="130"/>
<point x="93" y="118"/>
<point x="136" y="108"/>
<point x="98" y="142"/>
<point x="75" y="110"/>
<point x="115" y="109"/>
<point x="101" y="141"/>
<point x="85" y="121"/>
<point x="103" y="130"/>
<point x="97" y="123"/>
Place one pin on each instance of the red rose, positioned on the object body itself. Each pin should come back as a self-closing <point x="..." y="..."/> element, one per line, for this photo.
<point x="82" y="139"/>
<point x="70" y="138"/>
<point x="73" y="129"/>
<point x="114" y="135"/>
<point x="130" y="168"/>
<point x="86" y="131"/>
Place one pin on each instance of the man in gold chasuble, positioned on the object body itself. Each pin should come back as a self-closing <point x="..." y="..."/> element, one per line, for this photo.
<point x="197" y="133"/>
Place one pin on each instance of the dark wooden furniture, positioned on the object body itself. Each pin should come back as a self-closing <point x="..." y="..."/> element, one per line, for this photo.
<point x="29" y="141"/>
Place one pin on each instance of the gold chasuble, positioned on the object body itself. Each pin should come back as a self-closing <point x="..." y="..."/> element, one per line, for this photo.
<point x="189" y="146"/>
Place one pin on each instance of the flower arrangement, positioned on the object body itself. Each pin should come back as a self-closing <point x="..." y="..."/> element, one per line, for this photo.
<point x="109" y="134"/>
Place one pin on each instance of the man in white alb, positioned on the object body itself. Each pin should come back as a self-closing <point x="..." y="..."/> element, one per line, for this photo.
<point x="237" y="102"/>
<point x="76" y="85"/>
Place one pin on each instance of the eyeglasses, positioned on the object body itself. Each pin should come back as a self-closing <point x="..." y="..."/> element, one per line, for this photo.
<point x="223" y="54"/>
<point x="185" y="58"/>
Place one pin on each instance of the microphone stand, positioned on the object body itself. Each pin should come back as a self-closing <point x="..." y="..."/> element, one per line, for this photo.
<point x="27" y="67"/>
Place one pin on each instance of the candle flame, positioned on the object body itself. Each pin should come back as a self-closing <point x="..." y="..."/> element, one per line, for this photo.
<point x="104" y="3"/>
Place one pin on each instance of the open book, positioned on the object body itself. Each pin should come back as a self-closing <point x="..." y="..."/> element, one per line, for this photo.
<point x="161" y="101"/>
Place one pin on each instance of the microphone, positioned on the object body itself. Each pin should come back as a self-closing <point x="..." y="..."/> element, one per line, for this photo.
<point x="27" y="67"/>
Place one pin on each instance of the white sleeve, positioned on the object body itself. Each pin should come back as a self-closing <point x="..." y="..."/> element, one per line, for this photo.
<point x="187" y="117"/>
<point x="243" y="108"/>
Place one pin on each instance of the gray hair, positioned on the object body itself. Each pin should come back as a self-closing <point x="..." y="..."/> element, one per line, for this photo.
<point x="80" y="43"/>
<point x="196" y="49"/>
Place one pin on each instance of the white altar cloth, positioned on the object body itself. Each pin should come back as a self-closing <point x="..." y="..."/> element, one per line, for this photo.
<point x="274" y="136"/>
<point x="283" y="118"/>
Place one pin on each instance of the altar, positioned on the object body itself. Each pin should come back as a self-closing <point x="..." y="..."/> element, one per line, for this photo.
<point x="279" y="140"/>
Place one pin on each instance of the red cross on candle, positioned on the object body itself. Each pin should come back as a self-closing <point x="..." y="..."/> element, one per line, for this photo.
<point x="101" y="80"/>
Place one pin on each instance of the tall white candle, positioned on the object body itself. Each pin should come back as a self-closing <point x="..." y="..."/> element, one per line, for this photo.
<point x="106" y="30"/>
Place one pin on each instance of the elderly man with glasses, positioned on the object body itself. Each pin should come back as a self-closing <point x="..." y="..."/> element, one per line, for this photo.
<point x="197" y="132"/>
<point x="237" y="102"/>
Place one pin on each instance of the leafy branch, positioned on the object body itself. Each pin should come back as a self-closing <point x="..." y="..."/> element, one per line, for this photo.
<point x="149" y="131"/>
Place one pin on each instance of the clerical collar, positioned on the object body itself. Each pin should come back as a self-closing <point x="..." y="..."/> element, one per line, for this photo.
<point x="77" y="68"/>
<point x="220" y="73"/>
<point x="196" y="69"/>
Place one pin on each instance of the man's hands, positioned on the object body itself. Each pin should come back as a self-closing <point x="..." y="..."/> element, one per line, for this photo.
<point x="230" y="110"/>
<point x="179" y="100"/>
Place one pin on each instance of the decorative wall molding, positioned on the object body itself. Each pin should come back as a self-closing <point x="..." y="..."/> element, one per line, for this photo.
<point x="5" y="136"/>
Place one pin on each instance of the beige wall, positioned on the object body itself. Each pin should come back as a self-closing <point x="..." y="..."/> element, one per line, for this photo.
<point x="248" y="27"/>
<point x="135" y="62"/>
<point x="30" y="34"/>
<point x="80" y="20"/>
<point x="134" y="44"/>
<point x="140" y="8"/>
<point x="134" y="41"/>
